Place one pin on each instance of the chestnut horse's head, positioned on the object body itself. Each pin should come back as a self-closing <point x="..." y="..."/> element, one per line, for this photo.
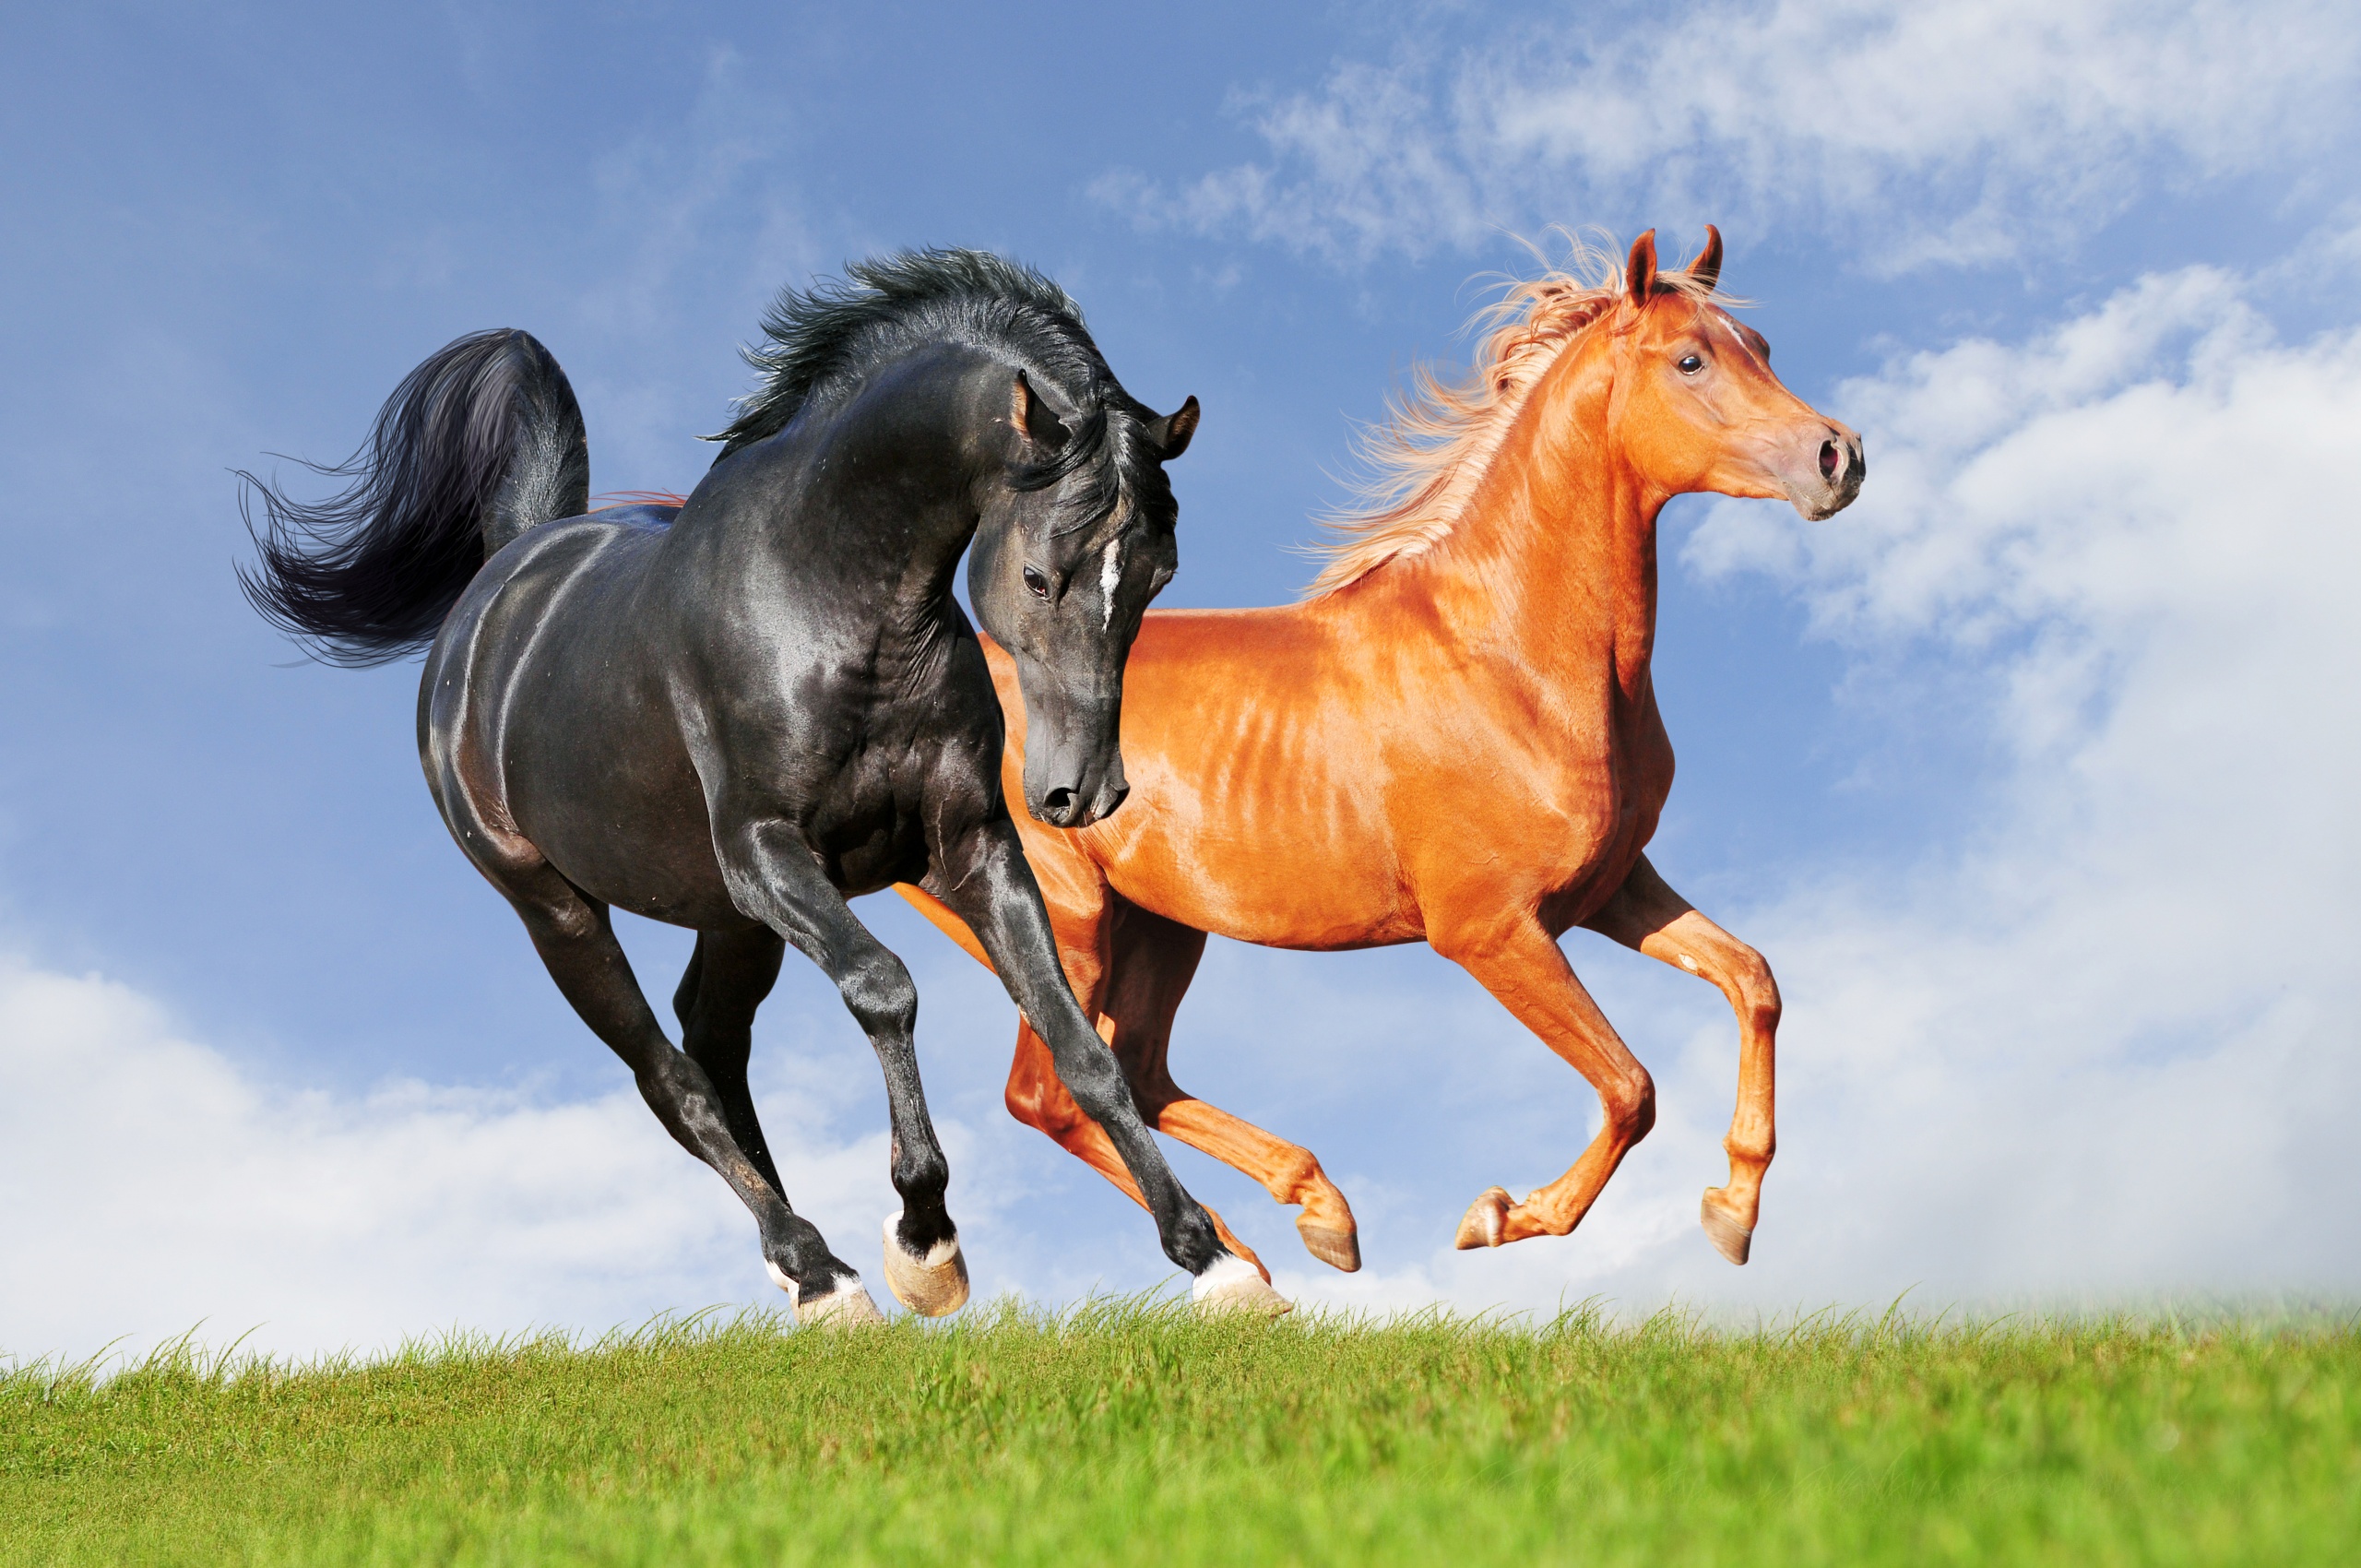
<point x="1697" y="408"/>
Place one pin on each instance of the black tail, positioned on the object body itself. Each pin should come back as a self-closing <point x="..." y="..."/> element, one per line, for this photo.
<point x="478" y="444"/>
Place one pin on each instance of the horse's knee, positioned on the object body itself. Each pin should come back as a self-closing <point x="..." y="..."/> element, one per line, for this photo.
<point x="1095" y="1084"/>
<point x="879" y="992"/>
<point x="1754" y="991"/>
<point x="1630" y="1104"/>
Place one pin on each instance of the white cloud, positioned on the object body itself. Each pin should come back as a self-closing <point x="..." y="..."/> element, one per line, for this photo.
<point x="1931" y="132"/>
<point x="150" y="1182"/>
<point x="2110" y="1045"/>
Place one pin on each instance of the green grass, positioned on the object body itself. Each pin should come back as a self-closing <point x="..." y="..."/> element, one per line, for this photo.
<point x="1132" y="1430"/>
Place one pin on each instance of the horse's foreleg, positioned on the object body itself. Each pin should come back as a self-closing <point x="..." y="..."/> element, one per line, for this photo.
<point x="772" y="877"/>
<point x="578" y="943"/>
<point x="1036" y="1098"/>
<point x="1647" y="915"/>
<point x="982" y="877"/>
<point x="1153" y="961"/>
<point x="1522" y="968"/>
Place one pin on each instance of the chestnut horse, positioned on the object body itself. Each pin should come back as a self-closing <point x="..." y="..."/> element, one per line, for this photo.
<point x="1454" y="738"/>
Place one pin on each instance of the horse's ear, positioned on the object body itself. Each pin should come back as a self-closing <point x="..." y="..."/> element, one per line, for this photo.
<point x="1029" y="414"/>
<point x="1707" y="267"/>
<point x="1639" y="272"/>
<point x="1170" y="435"/>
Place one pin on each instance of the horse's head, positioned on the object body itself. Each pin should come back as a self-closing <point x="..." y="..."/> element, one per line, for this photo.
<point x="1077" y="537"/>
<point x="1698" y="407"/>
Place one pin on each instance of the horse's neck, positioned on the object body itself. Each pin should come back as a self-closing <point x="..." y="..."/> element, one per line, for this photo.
<point x="903" y="572"/>
<point x="1555" y="555"/>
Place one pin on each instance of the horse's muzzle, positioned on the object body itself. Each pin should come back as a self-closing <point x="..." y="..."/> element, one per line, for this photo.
<point x="1834" y="480"/>
<point x="1092" y="795"/>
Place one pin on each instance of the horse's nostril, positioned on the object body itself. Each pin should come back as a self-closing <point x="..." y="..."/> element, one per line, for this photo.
<point x="1831" y="461"/>
<point x="1058" y="800"/>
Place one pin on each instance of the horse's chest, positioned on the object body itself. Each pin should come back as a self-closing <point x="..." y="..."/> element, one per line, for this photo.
<point x="1604" y="808"/>
<point x="868" y="829"/>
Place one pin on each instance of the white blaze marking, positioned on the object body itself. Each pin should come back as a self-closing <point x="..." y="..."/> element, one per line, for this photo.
<point x="1111" y="575"/>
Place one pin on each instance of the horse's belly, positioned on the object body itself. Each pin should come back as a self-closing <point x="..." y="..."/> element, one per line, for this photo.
<point x="649" y="854"/>
<point x="1319" y="881"/>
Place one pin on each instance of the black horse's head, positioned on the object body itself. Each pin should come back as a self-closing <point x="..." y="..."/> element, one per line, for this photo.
<point x="1077" y="537"/>
<point x="1072" y="514"/>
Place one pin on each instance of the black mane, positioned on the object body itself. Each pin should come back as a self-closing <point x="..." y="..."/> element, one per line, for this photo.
<point x="828" y="334"/>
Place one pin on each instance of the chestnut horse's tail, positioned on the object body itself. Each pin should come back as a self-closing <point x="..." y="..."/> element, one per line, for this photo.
<point x="482" y="442"/>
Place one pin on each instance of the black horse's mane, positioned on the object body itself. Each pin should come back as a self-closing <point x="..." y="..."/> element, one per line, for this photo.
<point x="825" y="336"/>
<point x="821" y="337"/>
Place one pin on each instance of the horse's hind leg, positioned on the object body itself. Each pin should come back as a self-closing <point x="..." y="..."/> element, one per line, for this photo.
<point x="578" y="943"/>
<point x="1153" y="961"/>
<point x="728" y="978"/>
<point x="1647" y="915"/>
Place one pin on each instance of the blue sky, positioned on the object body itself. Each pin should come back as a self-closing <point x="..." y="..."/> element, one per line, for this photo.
<point x="2028" y="773"/>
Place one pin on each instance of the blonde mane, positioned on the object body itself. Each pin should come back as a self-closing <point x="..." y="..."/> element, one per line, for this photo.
<point x="1426" y="457"/>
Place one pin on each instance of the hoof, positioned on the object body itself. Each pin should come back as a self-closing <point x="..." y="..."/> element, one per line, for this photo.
<point x="1485" y="1222"/>
<point x="848" y="1306"/>
<point x="1230" y="1284"/>
<point x="932" y="1286"/>
<point x="1337" y="1249"/>
<point x="1730" y="1239"/>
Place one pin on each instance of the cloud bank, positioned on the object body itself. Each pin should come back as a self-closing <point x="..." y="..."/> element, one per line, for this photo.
<point x="1934" y="134"/>
<point x="150" y="1182"/>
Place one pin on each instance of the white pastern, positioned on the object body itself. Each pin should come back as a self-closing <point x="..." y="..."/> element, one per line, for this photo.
<point x="779" y="1277"/>
<point x="1225" y="1272"/>
<point x="936" y="1255"/>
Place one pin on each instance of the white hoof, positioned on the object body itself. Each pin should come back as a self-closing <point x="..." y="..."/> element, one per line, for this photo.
<point x="932" y="1286"/>
<point x="1230" y="1284"/>
<point x="848" y="1306"/>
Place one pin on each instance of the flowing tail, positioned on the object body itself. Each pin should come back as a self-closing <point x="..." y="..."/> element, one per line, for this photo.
<point x="482" y="442"/>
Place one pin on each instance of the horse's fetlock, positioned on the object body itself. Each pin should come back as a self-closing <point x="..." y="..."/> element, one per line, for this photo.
<point x="922" y="1177"/>
<point x="1752" y="1148"/>
<point x="1193" y="1243"/>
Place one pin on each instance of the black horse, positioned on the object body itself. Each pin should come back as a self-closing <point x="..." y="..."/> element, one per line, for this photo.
<point x="733" y="714"/>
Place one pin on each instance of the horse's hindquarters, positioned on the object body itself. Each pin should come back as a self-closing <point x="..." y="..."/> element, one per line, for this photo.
<point x="549" y="735"/>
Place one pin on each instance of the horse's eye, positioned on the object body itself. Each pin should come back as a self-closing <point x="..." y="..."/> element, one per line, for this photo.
<point x="1691" y="365"/>
<point x="1037" y="583"/>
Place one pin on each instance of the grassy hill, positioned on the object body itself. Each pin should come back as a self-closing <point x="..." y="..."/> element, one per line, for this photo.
<point x="1133" y="1429"/>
